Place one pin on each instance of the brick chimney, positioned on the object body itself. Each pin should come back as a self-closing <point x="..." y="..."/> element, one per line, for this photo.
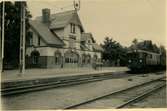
<point x="46" y="15"/>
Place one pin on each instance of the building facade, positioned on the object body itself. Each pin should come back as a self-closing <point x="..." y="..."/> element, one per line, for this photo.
<point x="59" y="40"/>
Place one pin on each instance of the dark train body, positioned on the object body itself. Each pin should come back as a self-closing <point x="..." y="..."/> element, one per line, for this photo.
<point x="145" y="61"/>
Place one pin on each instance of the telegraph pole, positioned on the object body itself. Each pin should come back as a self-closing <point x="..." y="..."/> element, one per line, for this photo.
<point x="3" y="34"/>
<point x="22" y="40"/>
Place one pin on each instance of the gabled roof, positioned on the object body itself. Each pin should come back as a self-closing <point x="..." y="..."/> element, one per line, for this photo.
<point x="57" y="21"/>
<point x="86" y="36"/>
<point x="46" y="34"/>
<point x="97" y="47"/>
<point x="60" y="20"/>
<point x="84" y="47"/>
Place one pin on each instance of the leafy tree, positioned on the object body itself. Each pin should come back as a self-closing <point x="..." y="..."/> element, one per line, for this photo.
<point x="162" y="50"/>
<point x="145" y="45"/>
<point x="113" y="51"/>
<point x="12" y="31"/>
<point x="135" y="41"/>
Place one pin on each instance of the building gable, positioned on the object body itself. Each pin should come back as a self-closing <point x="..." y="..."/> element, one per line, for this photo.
<point x="76" y="20"/>
<point x="61" y="20"/>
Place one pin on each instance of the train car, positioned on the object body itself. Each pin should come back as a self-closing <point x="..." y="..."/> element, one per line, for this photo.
<point x="163" y="61"/>
<point x="141" y="60"/>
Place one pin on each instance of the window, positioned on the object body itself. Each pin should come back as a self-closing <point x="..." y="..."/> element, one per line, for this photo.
<point x="72" y="28"/>
<point x="83" y="58"/>
<point x="57" y="57"/>
<point x="35" y="57"/>
<point x="88" y="41"/>
<point x="151" y="56"/>
<point x="71" y="58"/>
<point x="35" y="60"/>
<point x="140" y="55"/>
<point x="30" y="38"/>
<point x="39" y="41"/>
<point x="72" y="43"/>
<point x="67" y="60"/>
<point x="56" y="60"/>
<point x="88" y="59"/>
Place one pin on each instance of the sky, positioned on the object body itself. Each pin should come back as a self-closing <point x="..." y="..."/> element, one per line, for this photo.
<point x="122" y="20"/>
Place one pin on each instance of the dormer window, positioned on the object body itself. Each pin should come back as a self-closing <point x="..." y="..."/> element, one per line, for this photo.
<point x="72" y="28"/>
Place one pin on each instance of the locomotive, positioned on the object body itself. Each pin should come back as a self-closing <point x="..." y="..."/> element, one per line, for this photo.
<point x="145" y="61"/>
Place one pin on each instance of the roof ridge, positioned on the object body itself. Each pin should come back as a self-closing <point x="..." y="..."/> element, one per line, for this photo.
<point x="61" y="13"/>
<point x="55" y="14"/>
<point x="65" y="11"/>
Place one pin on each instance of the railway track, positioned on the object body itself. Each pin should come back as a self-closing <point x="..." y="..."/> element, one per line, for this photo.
<point x="121" y="98"/>
<point x="142" y="96"/>
<point x="157" y="99"/>
<point x="61" y="82"/>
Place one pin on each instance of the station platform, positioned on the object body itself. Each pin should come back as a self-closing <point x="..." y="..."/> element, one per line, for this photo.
<point x="32" y="74"/>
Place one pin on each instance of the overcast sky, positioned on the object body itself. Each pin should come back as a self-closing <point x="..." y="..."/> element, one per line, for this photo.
<point x="123" y="20"/>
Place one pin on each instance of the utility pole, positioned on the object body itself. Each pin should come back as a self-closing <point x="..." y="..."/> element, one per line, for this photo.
<point x="3" y="35"/>
<point x="22" y="39"/>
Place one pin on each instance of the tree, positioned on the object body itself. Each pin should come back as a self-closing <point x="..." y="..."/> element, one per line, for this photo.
<point x="162" y="50"/>
<point x="113" y="51"/>
<point x="12" y="31"/>
<point x="135" y="41"/>
<point x="163" y="55"/>
<point x="145" y="45"/>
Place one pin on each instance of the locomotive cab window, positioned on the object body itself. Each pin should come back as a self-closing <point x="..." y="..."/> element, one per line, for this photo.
<point x="140" y="55"/>
<point x="132" y="55"/>
<point x="151" y="56"/>
<point x="135" y="55"/>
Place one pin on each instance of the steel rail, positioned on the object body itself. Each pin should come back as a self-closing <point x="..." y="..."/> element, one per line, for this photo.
<point x="57" y="83"/>
<point x="12" y="84"/>
<point x="141" y="96"/>
<point x="109" y="94"/>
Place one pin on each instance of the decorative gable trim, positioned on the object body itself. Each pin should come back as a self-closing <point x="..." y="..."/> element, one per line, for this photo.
<point x="76" y="20"/>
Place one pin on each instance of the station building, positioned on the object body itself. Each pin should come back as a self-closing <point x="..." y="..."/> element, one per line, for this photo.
<point x="59" y="40"/>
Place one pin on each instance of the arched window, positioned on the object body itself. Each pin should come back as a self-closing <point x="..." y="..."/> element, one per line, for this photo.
<point x="71" y="57"/>
<point x="88" y="59"/>
<point x="35" y="57"/>
<point x="83" y="58"/>
<point x="57" y="57"/>
<point x="95" y="58"/>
